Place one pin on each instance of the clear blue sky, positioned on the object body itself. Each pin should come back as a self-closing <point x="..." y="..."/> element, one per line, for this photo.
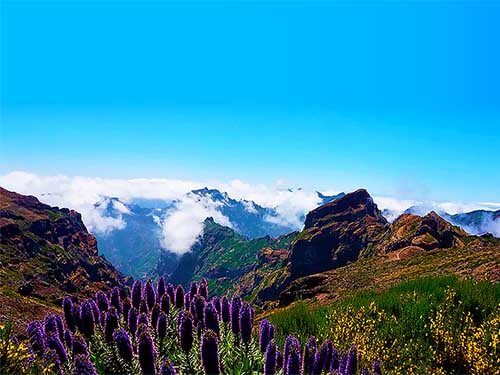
<point x="401" y="98"/>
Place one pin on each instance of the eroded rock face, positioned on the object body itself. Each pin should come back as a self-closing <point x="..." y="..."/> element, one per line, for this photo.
<point x="337" y="233"/>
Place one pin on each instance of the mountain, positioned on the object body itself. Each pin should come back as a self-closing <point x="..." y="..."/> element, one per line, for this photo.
<point x="46" y="253"/>
<point x="225" y="258"/>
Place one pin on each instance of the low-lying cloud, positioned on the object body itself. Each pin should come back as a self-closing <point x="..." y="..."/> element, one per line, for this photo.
<point x="183" y="223"/>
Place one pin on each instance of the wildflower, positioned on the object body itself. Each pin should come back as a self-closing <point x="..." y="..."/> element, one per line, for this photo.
<point x="266" y="334"/>
<point x="293" y="363"/>
<point x="123" y="344"/>
<point x="50" y="325"/>
<point x="203" y="288"/>
<point x="308" y="357"/>
<point x="225" y="310"/>
<point x="326" y="351"/>
<point x="83" y="366"/>
<point x="137" y="294"/>
<point x="36" y="337"/>
<point x="67" y="305"/>
<point x="96" y="313"/>
<point x="279" y="360"/>
<point x="376" y="368"/>
<point x="185" y="331"/>
<point x="211" y="319"/>
<point x="68" y="338"/>
<point x="124" y="292"/>
<point x="352" y="362"/>
<point x="142" y="320"/>
<point x="216" y="303"/>
<point x="146" y="352"/>
<point x="246" y="323"/>
<point x="335" y="359"/>
<point x="80" y="346"/>
<point x="161" y="326"/>
<point x="179" y="297"/>
<point x="235" y="314"/>
<point x="87" y="319"/>
<point x="155" y="313"/>
<point x="143" y="308"/>
<point x="167" y="368"/>
<point x="290" y="343"/>
<point x="55" y="344"/>
<point x="317" y="363"/>
<point x="210" y="353"/>
<point x="270" y="359"/>
<point x="165" y="304"/>
<point x="116" y="300"/>
<point x="193" y="290"/>
<point x="132" y="320"/>
<point x="126" y="305"/>
<point x="342" y="363"/>
<point x="171" y="293"/>
<point x="102" y="301"/>
<point x="150" y="294"/>
<point x="198" y="308"/>
<point x="111" y="323"/>
<point x="187" y="300"/>
<point x="160" y="288"/>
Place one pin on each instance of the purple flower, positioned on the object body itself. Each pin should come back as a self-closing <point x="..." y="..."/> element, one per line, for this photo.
<point x="68" y="338"/>
<point x="318" y="363"/>
<point x="87" y="319"/>
<point x="352" y="362"/>
<point x="342" y="363"/>
<point x="179" y="297"/>
<point x="193" y="290"/>
<point x="187" y="300"/>
<point x="210" y="353"/>
<point x="211" y="319"/>
<point x="171" y="293"/>
<point x="126" y="305"/>
<point x="308" y="357"/>
<point x="142" y="320"/>
<point x="36" y="337"/>
<point x="376" y="368"/>
<point x="136" y="294"/>
<point x="146" y="352"/>
<point x="293" y="362"/>
<point x="155" y="313"/>
<point x="326" y="351"/>
<point x="56" y="345"/>
<point x="95" y="310"/>
<point x="132" y="320"/>
<point x="124" y="292"/>
<point x="111" y="323"/>
<point x="216" y="303"/>
<point x="76" y="312"/>
<point x="83" y="366"/>
<point x="165" y="304"/>
<point x="279" y="360"/>
<point x="143" y="308"/>
<point x="203" y="288"/>
<point x="235" y="314"/>
<point x="199" y="309"/>
<point x="167" y="368"/>
<point x="123" y="344"/>
<point x="246" y="323"/>
<point x="335" y="359"/>
<point x="270" y="359"/>
<point x="161" y="326"/>
<point x="266" y="334"/>
<point x="80" y="346"/>
<point x="102" y="301"/>
<point x="365" y="371"/>
<point x="116" y="301"/>
<point x="67" y="305"/>
<point x="291" y="342"/>
<point x="150" y="294"/>
<point x="225" y="310"/>
<point x="185" y="323"/>
<point x="160" y="288"/>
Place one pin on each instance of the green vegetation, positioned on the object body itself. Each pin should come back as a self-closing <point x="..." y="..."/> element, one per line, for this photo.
<point x="429" y="325"/>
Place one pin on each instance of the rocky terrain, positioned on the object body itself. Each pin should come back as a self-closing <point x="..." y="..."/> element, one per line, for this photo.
<point x="46" y="253"/>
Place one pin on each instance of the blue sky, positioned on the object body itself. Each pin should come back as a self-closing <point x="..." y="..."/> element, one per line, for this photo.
<point x="400" y="98"/>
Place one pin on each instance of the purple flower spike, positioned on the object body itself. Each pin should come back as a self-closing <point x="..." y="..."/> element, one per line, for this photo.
<point x="225" y="310"/>
<point x="165" y="304"/>
<point x="83" y="366"/>
<point x="143" y="308"/>
<point x="80" y="346"/>
<point x="146" y="353"/>
<point x="187" y="300"/>
<point x="68" y="338"/>
<point x="142" y="320"/>
<point x="124" y="345"/>
<point x="179" y="297"/>
<point x="342" y="364"/>
<point x="279" y="360"/>
<point x="293" y="363"/>
<point x="95" y="310"/>
<point x="102" y="301"/>
<point x="376" y="368"/>
<point x="270" y="359"/>
<point x="161" y="326"/>
<point x="111" y="323"/>
<point x="56" y="345"/>
<point x="155" y="313"/>
<point x="150" y="294"/>
<point x="335" y="360"/>
<point x="210" y="353"/>
<point x="67" y="305"/>
<point x="160" y="288"/>
<point x="137" y="294"/>
<point x="318" y="363"/>
<point x="266" y="334"/>
<point x="291" y="342"/>
<point x="216" y="303"/>
<point x="235" y="314"/>
<point x="185" y="331"/>
<point x="199" y="309"/>
<point x="203" y="288"/>
<point x="308" y="357"/>
<point x="352" y="361"/>
<point x="246" y="323"/>
<point x="87" y="319"/>
<point x="132" y="320"/>
<point x="167" y="368"/>
<point x="36" y="337"/>
<point x="126" y="306"/>
<point x="193" y="290"/>
<point x="326" y="351"/>
<point x="171" y="293"/>
<point x="116" y="301"/>
<point x="211" y="319"/>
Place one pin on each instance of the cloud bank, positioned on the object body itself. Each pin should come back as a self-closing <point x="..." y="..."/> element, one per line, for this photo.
<point x="183" y="223"/>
